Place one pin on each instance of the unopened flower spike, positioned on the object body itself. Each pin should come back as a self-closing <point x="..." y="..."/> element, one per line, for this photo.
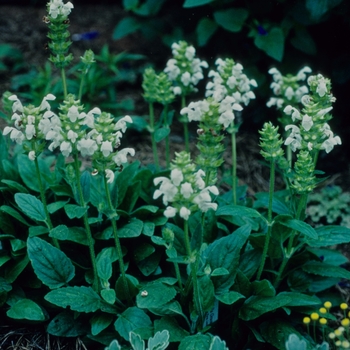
<point x="185" y="189"/>
<point x="270" y="142"/>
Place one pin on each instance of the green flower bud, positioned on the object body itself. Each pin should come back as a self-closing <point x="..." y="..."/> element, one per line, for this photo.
<point x="149" y="85"/>
<point x="270" y="142"/>
<point x="168" y="235"/>
<point x="304" y="180"/>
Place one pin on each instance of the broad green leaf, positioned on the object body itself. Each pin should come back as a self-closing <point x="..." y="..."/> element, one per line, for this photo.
<point x="262" y="201"/>
<point x="299" y="281"/>
<point x="322" y="269"/>
<point x="114" y="345"/>
<point x="143" y="251"/>
<point x="136" y="341"/>
<point x="131" y="196"/>
<point x="75" y="211"/>
<point x="26" y="309"/>
<point x="237" y="210"/>
<point x="38" y="231"/>
<point x="303" y="41"/>
<point x="161" y="133"/>
<point x="299" y="299"/>
<point x="194" y="3"/>
<point x="195" y="342"/>
<point x="5" y="286"/>
<point x="6" y="223"/>
<point x="50" y="264"/>
<point x="66" y="325"/>
<point x="17" y="244"/>
<point x="272" y="43"/>
<point x="206" y="293"/>
<point x="231" y="19"/>
<point x="78" y="298"/>
<point x="132" y="229"/>
<point x="104" y="262"/>
<point x="133" y="289"/>
<point x="176" y="333"/>
<point x="249" y="262"/>
<point x="155" y="295"/>
<point x="150" y="264"/>
<point x="218" y="344"/>
<point x="329" y="256"/>
<point x="131" y="319"/>
<point x="299" y="226"/>
<point x="318" y="8"/>
<point x="108" y="295"/>
<point x="126" y="26"/>
<point x="99" y="322"/>
<point x="145" y="210"/>
<point x="14" y="213"/>
<point x="205" y="30"/>
<point x="74" y="234"/>
<point x="263" y="288"/>
<point x="14" y="268"/>
<point x="229" y="298"/>
<point x="329" y="235"/>
<point x="148" y="228"/>
<point x="225" y="252"/>
<point x="85" y="181"/>
<point x="159" y="341"/>
<point x="130" y="4"/>
<point x="53" y="207"/>
<point x="221" y="271"/>
<point x="31" y="206"/>
<point x="15" y="185"/>
<point x="172" y="308"/>
<point x="256" y="306"/>
<point x="295" y="343"/>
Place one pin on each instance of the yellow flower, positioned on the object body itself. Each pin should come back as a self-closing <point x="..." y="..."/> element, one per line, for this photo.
<point x="323" y="310"/>
<point x="338" y="343"/>
<point x="323" y="321"/>
<point x="331" y="335"/>
<point x="345" y="322"/>
<point x="344" y="306"/>
<point x="306" y="320"/>
<point x="345" y="344"/>
<point x="338" y="332"/>
<point x="327" y="304"/>
<point x="314" y="316"/>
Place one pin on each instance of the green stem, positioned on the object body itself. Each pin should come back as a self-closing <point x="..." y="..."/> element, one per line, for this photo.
<point x="43" y="200"/>
<point x="95" y="284"/>
<point x="82" y="81"/>
<point x="64" y="83"/>
<point x="234" y="165"/>
<point x="193" y="266"/>
<point x="117" y="241"/>
<point x="154" y="145"/>
<point x="167" y="147"/>
<point x="178" y="276"/>
<point x="269" y="219"/>
<point x="290" y="251"/>
<point x="185" y="124"/>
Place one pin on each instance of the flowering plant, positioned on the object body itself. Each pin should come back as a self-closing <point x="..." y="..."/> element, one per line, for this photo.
<point x="118" y="253"/>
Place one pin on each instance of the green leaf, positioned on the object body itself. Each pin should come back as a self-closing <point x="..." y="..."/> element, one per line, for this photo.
<point x="195" y="342"/>
<point x="225" y="253"/>
<point x="219" y="272"/>
<point x="256" y="306"/>
<point x="329" y="256"/>
<point x="148" y="228"/>
<point x="322" y="269"/>
<point x="75" y="211"/>
<point x="218" y="344"/>
<point x="157" y="294"/>
<point x="329" y="235"/>
<point x="262" y="201"/>
<point x="172" y="308"/>
<point x="31" y="206"/>
<point x="81" y="299"/>
<point x="114" y="345"/>
<point x="249" y="262"/>
<point x="14" y="268"/>
<point x="125" y="27"/>
<point x="74" y="234"/>
<point x="300" y="226"/>
<point x="108" y="295"/>
<point x="26" y="309"/>
<point x="237" y="210"/>
<point x="303" y="41"/>
<point x="318" y="8"/>
<point x="132" y="229"/>
<point x="99" y="322"/>
<point x="206" y="293"/>
<point x="231" y="19"/>
<point x="131" y="319"/>
<point x="194" y="3"/>
<point x="205" y="30"/>
<point x="176" y="333"/>
<point x="50" y="264"/>
<point x="136" y="341"/>
<point x="159" y="341"/>
<point x="131" y="197"/>
<point x="272" y="43"/>
<point x="104" y="262"/>
<point x="53" y="207"/>
<point x="66" y="325"/>
<point x="161" y="133"/>
<point x="263" y="288"/>
<point x="85" y="181"/>
<point x="133" y="289"/>
<point x="130" y="4"/>
<point x="15" y="185"/>
<point x="299" y="299"/>
<point x="229" y="298"/>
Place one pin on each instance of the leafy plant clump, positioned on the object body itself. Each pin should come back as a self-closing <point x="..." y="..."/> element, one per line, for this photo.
<point x="95" y="245"/>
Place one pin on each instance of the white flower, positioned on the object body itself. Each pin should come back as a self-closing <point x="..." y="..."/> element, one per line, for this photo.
<point x="90" y="117"/>
<point x="167" y="189"/>
<point x="307" y="122"/>
<point x="176" y="176"/>
<point x="190" y="53"/>
<point x="31" y="155"/>
<point x="185" y="213"/>
<point x="72" y="136"/>
<point x="73" y="114"/>
<point x="321" y="87"/>
<point x="87" y="147"/>
<point x="294" y="139"/>
<point x="195" y="110"/>
<point x="109" y="176"/>
<point x="170" y="212"/>
<point x="121" y="123"/>
<point x="57" y="7"/>
<point x="121" y="156"/>
<point x="292" y="111"/>
<point x="44" y="104"/>
<point x="199" y="181"/>
<point x="301" y="74"/>
<point x="329" y="144"/>
<point x="106" y="148"/>
<point x="66" y="148"/>
<point x="186" y="190"/>
<point x="186" y="78"/>
<point x="289" y="93"/>
<point x="15" y="135"/>
<point x="203" y="199"/>
<point x="17" y="105"/>
<point x="177" y="90"/>
<point x="30" y="131"/>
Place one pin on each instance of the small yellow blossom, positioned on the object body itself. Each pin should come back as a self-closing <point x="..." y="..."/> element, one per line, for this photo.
<point x="338" y="332"/>
<point x="344" y="306"/>
<point x="338" y="343"/>
<point x="345" y="344"/>
<point x="345" y="322"/>
<point x="327" y="304"/>
<point x="323" y="310"/>
<point x="331" y="335"/>
<point x="314" y="316"/>
<point x="323" y="321"/>
<point x="306" y="320"/>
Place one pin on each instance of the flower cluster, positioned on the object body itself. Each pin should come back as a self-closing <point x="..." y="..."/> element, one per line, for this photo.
<point x="31" y="123"/>
<point x="270" y="142"/>
<point x="287" y="89"/>
<point x="229" y="80"/>
<point x="57" y="8"/>
<point x="313" y="133"/>
<point x="185" y="189"/>
<point x="184" y="69"/>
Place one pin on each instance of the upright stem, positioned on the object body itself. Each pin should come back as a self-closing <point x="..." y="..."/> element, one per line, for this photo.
<point x="289" y="252"/>
<point x="193" y="266"/>
<point x="167" y="148"/>
<point x="117" y="241"/>
<point x="43" y="200"/>
<point x="95" y="284"/>
<point x="269" y="219"/>
<point x="234" y="165"/>
<point x="64" y="82"/>
<point x="185" y="124"/>
<point x="154" y="145"/>
<point x="82" y="81"/>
